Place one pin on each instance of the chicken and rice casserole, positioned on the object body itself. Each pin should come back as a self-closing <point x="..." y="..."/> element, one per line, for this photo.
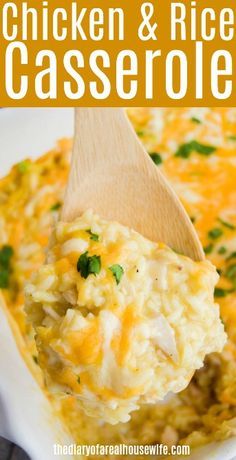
<point x="120" y="320"/>
<point x="195" y="149"/>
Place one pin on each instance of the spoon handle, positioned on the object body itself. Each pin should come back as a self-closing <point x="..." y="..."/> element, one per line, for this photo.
<point x="112" y="174"/>
<point x="100" y="143"/>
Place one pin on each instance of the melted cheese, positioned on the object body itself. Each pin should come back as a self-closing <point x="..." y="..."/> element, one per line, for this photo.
<point x="207" y="189"/>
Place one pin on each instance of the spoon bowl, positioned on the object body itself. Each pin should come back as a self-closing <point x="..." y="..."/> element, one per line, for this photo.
<point x="112" y="174"/>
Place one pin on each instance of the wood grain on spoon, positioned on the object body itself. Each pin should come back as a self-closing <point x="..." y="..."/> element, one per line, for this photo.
<point x="112" y="174"/>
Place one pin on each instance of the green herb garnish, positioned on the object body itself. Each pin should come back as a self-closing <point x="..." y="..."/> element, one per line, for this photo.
<point x="226" y="224"/>
<point x="185" y="150"/>
<point x="117" y="272"/>
<point x="6" y="254"/>
<point x="193" y="219"/>
<point x="94" y="264"/>
<point x="219" y="292"/>
<point x="23" y="166"/>
<point x="231" y="272"/>
<point x="55" y="206"/>
<point x="232" y="256"/>
<point x="203" y="149"/>
<point x="232" y="138"/>
<point x="82" y="265"/>
<point x="35" y="359"/>
<point x="140" y="133"/>
<point x="93" y="236"/>
<point x="208" y="249"/>
<point x="222" y="250"/>
<point x="78" y="379"/>
<point x="215" y="233"/>
<point x="156" y="158"/>
<point x="4" y="279"/>
<point x="195" y="120"/>
<point x="88" y="265"/>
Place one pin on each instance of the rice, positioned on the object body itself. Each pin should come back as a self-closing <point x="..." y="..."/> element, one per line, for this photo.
<point x="126" y="331"/>
<point x="206" y="410"/>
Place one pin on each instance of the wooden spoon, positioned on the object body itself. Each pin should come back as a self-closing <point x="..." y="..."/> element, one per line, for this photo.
<point x="112" y="174"/>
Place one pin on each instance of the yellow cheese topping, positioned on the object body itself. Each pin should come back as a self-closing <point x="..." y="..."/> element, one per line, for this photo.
<point x="205" y="182"/>
<point x="120" y="328"/>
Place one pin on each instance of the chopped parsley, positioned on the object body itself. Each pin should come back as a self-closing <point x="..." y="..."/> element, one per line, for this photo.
<point x="6" y="254"/>
<point x="156" y="158"/>
<point x="232" y="138"/>
<point x="95" y="264"/>
<point x="93" y="236"/>
<point x="226" y="224"/>
<point x="88" y="265"/>
<point x="23" y="166"/>
<point x="222" y="250"/>
<point x="55" y="206"/>
<point x="215" y="233"/>
<point x="35" y="359"/>
<point x="78" y="379"/>
<point x="193" y="219"/>
<point x="140" y="133"/>
<point x="231" y="272"/>
<point x="219" y="292"/>
<point x="196" y="120"/>
<point x="232" y="256"/>
<point x="4" y="279"/>
<point x="117" y="272"/>
<point x="208" y="249"/>
<point x="185" y="150"/>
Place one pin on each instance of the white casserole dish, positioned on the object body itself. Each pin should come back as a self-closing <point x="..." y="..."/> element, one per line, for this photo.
<point x="26" y="416"/>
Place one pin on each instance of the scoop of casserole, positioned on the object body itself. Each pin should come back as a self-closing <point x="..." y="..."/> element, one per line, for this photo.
<point x="120" y="320"/>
